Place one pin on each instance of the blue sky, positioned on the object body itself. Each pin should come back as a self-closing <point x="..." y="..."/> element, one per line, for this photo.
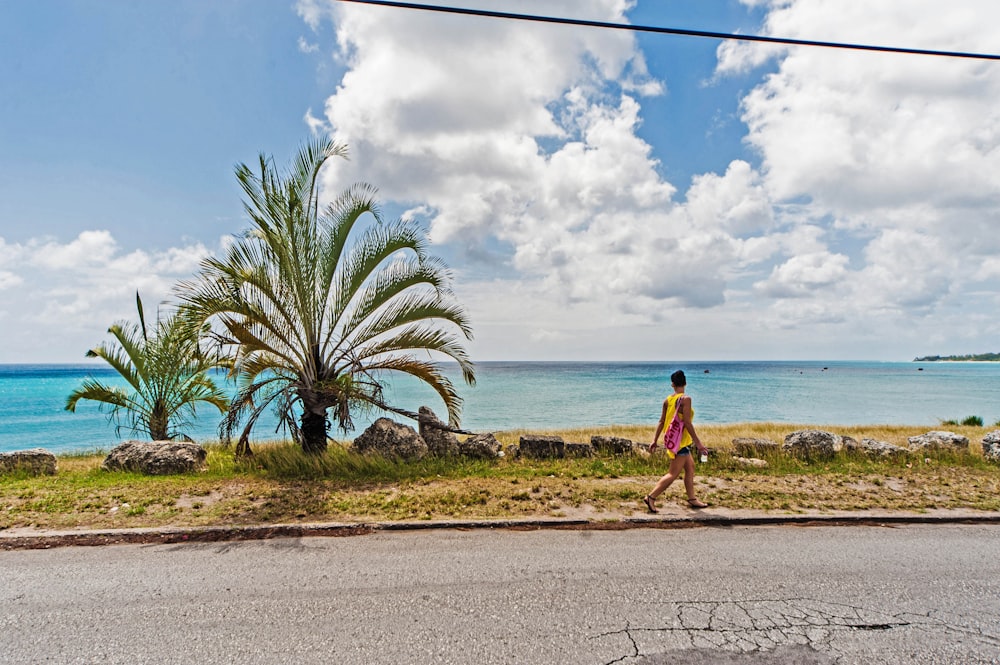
<point x="130" y="116"/>
<point x="601" y="195"/>
<point x="112" y="105"/>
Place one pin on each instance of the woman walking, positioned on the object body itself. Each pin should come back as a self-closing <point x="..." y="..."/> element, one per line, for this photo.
<point x="682" y="460"/>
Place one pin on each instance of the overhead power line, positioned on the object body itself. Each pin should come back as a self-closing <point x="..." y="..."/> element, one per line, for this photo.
<point x="673" y="31"/>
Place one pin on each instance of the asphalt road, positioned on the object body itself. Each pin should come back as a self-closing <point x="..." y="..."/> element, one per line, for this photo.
<point x="909" y="594"/>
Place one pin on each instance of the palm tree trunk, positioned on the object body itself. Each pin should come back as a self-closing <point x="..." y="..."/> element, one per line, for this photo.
<point x="159" y="423"/>
<point x="243" y="450"/>
<point x="313" y="432"/>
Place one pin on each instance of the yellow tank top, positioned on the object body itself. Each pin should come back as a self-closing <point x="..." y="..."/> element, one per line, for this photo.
<point x="671" y="409"/>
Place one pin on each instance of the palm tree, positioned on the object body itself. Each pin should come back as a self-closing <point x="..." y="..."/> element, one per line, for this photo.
<point x="167" y="375"/>
<point x="315" y="305"/>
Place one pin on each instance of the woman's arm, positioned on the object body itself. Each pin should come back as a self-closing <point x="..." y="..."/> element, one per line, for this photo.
<point x="659" y="425"/>
<point x="689" y="423"/>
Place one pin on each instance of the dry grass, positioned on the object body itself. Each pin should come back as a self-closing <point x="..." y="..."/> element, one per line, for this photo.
<point x="348" y="488"/>
<point x="721" y="436"/>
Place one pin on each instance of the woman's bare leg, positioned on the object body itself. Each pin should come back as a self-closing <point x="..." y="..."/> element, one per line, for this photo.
<point x="689" y="477"/>
<point x="676" y="466"/>
<point x="689" y="484"/>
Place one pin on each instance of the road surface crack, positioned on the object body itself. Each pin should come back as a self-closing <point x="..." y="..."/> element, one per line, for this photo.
<point x="635" y="647"/>
<point x="765" y="625"/>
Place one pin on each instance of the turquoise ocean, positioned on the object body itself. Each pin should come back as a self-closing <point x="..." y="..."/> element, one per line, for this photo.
<point x="547" y="395"/>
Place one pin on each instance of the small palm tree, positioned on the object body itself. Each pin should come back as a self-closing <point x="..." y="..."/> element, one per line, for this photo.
<point x="167" y="375"/>
<point x="315" y="305"/>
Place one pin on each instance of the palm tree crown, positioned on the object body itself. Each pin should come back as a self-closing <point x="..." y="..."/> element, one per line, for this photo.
<point x="166" y="372"/>
<point x="315" y="305"/>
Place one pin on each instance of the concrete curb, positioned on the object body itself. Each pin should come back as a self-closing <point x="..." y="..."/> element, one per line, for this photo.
<point x="175" y="535"/>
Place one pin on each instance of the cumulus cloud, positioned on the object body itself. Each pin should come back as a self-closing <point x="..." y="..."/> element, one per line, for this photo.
<point x="875" y="196"/>
<point x="908" y="270"/>
<point x="899" y="154"/>
<point x="861" y="132"/>
<point x="804" y="274"/>
<point x="57" y="296"/>
<point x="735" y="202"/>
<point x="527" y="135"/>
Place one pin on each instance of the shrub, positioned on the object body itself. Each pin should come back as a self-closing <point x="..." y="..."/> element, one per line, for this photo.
<point x="973" y="421"/>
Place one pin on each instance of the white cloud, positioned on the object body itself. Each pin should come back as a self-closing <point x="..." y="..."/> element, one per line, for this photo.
<point x="862" y="132"/>
<point x="989" y="269"/>
<point x="901" y="152"/>
<point x="307" y="47"/>
<point x="805" y="274"/>
<point x="315" y="125"/>
<point x="517" y="132"/>
<point x="795" y="315"/>
<point x="547" y="336"/>
<point x="735" y="202"/>
<point x="874" y="206"/>
<point x="9" y="280"/>
<point x="88" y="248"/>
<point x="59" y="298"/>
<point x="908" y="270"/>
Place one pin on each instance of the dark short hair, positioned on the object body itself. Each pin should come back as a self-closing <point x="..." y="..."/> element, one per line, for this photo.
<point x="678" y="378"/>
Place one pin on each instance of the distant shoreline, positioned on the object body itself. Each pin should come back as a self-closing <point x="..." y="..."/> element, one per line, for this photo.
<point x="972" y="357"/>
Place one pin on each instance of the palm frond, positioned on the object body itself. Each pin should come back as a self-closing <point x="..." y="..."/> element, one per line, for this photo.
<point x="93" y="390"/>
<point x="142" y="317"/>
<point x="396" y="278"/>
<point x="250" y="402"/>
<point x="404" y="310"/>
<point x="307" y="165"/>
<point x="339" y="220"/>
<point x="430" y="374"/>
<point x="376" y="245"/>
<point x="310" y="305"/>
<point x="166" y="371"/>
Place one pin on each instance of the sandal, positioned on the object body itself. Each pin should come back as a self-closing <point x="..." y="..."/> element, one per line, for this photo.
<point x="695" y="503"/>
<point x="648" y="500"/>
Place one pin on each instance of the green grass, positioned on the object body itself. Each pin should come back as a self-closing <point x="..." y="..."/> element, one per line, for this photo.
<point x="969" y="421"/>
<point x="281" y="484"/>
<point x="287" y="461"/>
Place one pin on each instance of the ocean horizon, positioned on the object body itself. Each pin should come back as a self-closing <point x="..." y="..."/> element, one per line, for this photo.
<point x="543" y="395"/>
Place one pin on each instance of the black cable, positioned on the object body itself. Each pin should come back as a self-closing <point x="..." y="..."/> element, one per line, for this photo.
<point x="673" y="31"/>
